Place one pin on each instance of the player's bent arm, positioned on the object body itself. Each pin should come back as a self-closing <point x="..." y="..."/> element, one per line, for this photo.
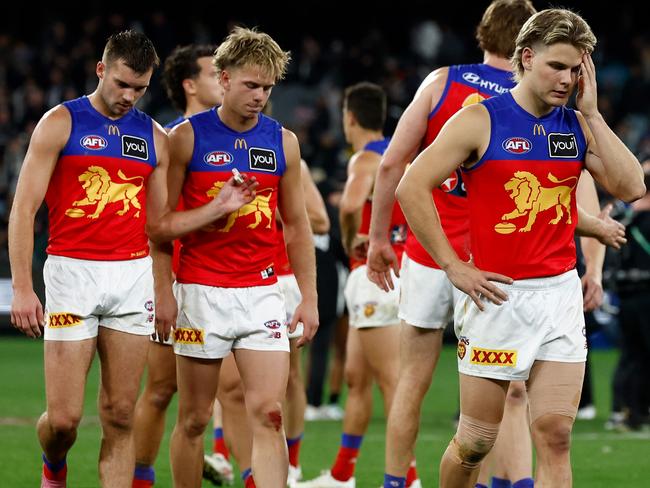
<point x="316" y="211"/>
<point x="49" y="138"/>
<point x="403" y="147"/>
<point x="457" y="143"/>
<point x="164" y="223"/>
<point x="298" y="237"/>
<point x="610" y="162"/>
<point x="358" y="187"/>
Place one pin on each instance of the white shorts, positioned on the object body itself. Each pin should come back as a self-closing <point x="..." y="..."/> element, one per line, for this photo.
<point x="81" y="295"/>
<point x="428" y="298"/>
<point x="212" y="321"/>
<point x="542" y="320"/>
<point x="291" y="293"/>
<point x="368" y="305"/>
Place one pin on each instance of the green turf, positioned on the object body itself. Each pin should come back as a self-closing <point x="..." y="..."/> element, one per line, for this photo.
<point x="600" y="458"/>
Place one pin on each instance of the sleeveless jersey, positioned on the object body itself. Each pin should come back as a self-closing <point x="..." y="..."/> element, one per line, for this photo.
<point x="96" y="197"/>
<point x="528" y="175"/>
<point x="237" y="250"/>
<point x="466" y="84"/>
<point x="397" y="221"/>
<point x="177" y="121"/>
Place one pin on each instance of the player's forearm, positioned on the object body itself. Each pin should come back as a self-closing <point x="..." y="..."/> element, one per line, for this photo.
<point x="594" y="253"/>
<point x="624" y="174"/>
<point x="300" y="249"/>
<point x="422" y="217"/>
<point x="350" y="223"/>
<point x="161" y="254"/>
<point x="176" y="224"/>
<point x="383" y="199"/>
<point x="588" y="225"/>
<point x="21" y="248"/>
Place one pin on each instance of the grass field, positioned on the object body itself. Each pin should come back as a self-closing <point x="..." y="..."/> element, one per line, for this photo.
<point x="600" y="458"/>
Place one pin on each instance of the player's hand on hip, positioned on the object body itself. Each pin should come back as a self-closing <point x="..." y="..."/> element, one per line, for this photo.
<point x="587" y="99"/>
<point x="477" y="284"/>
<point x="166" y="312"/>
<point x="27" y="313"/>
<point x="307" y="313"/>
<point x="381" y="259"/>
<point x="613" y="232"/>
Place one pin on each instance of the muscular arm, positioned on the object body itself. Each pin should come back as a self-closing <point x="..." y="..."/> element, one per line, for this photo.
<point x="608" y="159"/>
<point x="403" y="147"/>
<point x="316" y="211"/>
<point x="358" y="187"/>
<point x="462" y="139"/>
<point x="164" y="223"/>
<point x="48" y="139"/>
<point x="298" y="238"/>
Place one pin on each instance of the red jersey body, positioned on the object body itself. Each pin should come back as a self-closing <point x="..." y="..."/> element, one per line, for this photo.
<point x="466" y="85"/>
<point x="96" y="197"/>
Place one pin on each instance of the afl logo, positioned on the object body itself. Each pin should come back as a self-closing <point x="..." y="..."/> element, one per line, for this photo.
<point x="94" y="143"/>
<point x="218" y="158"/>
<point x="517" y="145"/>
<point x="272" y="324"/>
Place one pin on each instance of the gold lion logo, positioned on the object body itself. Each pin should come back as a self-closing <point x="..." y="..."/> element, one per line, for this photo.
<point x="530" y="198"/>
<point x="101" y="190"/>
<point x="259" y="207"/>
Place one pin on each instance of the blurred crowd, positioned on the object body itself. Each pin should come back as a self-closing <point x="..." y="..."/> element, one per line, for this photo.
<point x="38" y="72"/>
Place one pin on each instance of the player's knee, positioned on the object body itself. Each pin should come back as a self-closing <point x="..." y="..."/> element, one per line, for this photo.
<point x="553" y="433"/>
<point x="194" y="422"/>
<point x="356" y="378"/>
<point x="295" y="378"/>
<point x="473" y="440"/>
<point x="63" y="423"/>
<point x="117" y="414"/>
<point x="268" y="415"/>
<point x="231" y="395"/>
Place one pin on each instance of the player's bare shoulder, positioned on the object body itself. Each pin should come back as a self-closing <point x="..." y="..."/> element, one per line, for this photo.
<point x="54" y="127"/>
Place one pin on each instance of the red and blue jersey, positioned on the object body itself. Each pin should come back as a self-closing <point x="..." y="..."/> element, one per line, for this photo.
<point x="397" y="230"/>
<point x="466" y="84"/>
<point x="522" y="191"/>
<point x="96" y="198"/>
<point x="239" y="249"/>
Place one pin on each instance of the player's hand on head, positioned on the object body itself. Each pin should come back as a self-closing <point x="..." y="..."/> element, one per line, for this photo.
<point x="477" y="284"/>
<point x="586" y="98"/>
<point x="27" y="313"/>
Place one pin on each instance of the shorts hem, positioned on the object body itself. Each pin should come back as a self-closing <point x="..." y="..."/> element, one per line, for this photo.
<point x="201" y="355"/>
<point x="494" y="376"/>
<point x="374" y="325"/>
<point x="264" y="349"/>
<point x="421" y="324"/>
<point x="562" y="359"/>
<point x="147" y="332"/>
<point x="69" y="339"/>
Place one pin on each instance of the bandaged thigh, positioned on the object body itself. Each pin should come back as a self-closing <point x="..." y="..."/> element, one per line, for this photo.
<point x="554" y="388"/>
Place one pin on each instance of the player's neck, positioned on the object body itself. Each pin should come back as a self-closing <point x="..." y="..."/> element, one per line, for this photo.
<point x="363" y="137"/>
<point x="526" y="98"/>
<point x="98" y="104"/>
<point x="495" y="61"/>
<point x="236" y="121"/>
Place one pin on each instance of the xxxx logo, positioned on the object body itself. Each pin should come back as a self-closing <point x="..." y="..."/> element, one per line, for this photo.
<point x="61" y="320"/>
<point x="493" y="357"/>
<point x="188" y="336"/>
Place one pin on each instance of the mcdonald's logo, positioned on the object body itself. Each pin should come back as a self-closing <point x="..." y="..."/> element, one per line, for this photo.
<point x="538" y="130"/>
<point x="241" y="144"/>
<point x="113" y="130"/>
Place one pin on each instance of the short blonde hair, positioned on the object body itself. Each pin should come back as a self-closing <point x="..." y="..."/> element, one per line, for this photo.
<point x="552" y="26"/>
<point x="247" y="47"/>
